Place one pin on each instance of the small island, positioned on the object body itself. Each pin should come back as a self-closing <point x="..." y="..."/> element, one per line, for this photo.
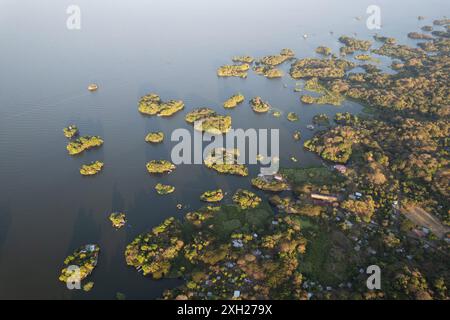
<point x="83" y="143"/>
<point x="91" y="169"/>
<point x="163" y="189"/>
<point x="152" y="104"/>
<point x="155" y="137"/>
<point x="212" y="196"/>
<point x="118" y="219"/>
<point x="225" y="161"/>
<point x="270" y="183"/>
<point x="233" y="101"/>
<point x="292" y="116"/>
<point x="259" y="106"/>
<point x="236" y="70"/>
<point x="160" y="166"/>
<point x="70" y="131"/>
<point x="85" y="260"/>
<point x="207" y="120"/>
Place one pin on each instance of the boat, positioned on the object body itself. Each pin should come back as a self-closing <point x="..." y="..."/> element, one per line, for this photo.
<point x="92" y="87"/>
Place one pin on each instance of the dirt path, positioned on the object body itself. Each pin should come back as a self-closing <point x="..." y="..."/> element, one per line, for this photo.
<point x="425" y="219"/>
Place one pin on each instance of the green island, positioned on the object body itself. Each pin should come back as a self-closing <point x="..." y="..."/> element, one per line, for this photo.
<point x="323" y="51"/>
<point x="207" y="120"/>
<point x="118" y="219"/>
<point x="320" y="68"/>
<point x="233" y="101"/>
<point x="155" y="137"/>
<point x="292" y="116"/>
<point x="270" y="183"/>
<point x="243" y="59"/>
<point x="297" y="135"/>
<point x="246" y="199"/>
<point x="70" y="131"/>
<point x="268" y="71"/>
<point x="352" y="44"/>
<point x="160" y="166"/>
<point x="235" y="70"/>
<point x="225" y="161"/>
<point x="321" y="119"/>
<point x="259" y="106"/>
<point x="92" y="168"/>
<point x="163" y="189"/>
<point x="152" y="104"/>
<point x="80" y="264"/>
<point x="81" y="144"/>
<point x="212" y="195"/>
<point x="274" y="60"/>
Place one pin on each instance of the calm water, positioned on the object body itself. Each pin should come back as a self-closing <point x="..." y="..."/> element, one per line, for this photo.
<point x="169" y="47"/>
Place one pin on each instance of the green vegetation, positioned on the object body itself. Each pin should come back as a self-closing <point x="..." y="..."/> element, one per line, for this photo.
<point x="313" y="175"/>
<point x="152" y="104"/>
<point x="352" y="45"/>
<point x="246" y="199"/>
<point x="237" y="70"/>
<point x="155" y="251"/>
<point x="268" y="71"/>
<point x="323" y="51"/>
<point x="83" y="143"/>
<point x="85" y="260"/>
<point x="88" y="286"/>
<point x="243" y="59"/>
<point x="163" y="189"/>
<point x="160" y="166"/>
<point x="292" y="116"/>
<point x="91" y="169"/>
<point x="320" y="68"/>
<point x="155" y="137"/>
<point x="274" y="60"/>
<point x="321" y="120"/>
<point x="270" y="184"/>
<point x="260" y="106"/>
<point x="233" y="101"/>
<point x="212" y="196"/>
<point x="297" y="135"/>
<point x="118" y="219"/>
<point x="207" y="120"/>
<point x="225" y="161"/>
<point x="70" y="131"/>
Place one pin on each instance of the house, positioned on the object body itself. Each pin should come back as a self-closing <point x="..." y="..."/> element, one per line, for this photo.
<point x="340" y="168"/>
<point x="236" y="294"/>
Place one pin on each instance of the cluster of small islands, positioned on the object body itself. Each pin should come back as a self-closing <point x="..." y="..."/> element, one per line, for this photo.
<point x="381" y="196"/>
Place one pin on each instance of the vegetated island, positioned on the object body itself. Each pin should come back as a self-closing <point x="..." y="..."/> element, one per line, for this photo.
<point x="80" y="264"/>
<point x="152" y="104"/>
<point x="207" y="120"/>
<point x="81" y="144"/>
<point x="70" y="131"/>
<point x="212" y="195"/>
<point x="163" y="189"/>
<point x="91" y="169"/>
<point x="160" y="166"/>
<point x="154" y="137"/>
<point x="118" y="219"/>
